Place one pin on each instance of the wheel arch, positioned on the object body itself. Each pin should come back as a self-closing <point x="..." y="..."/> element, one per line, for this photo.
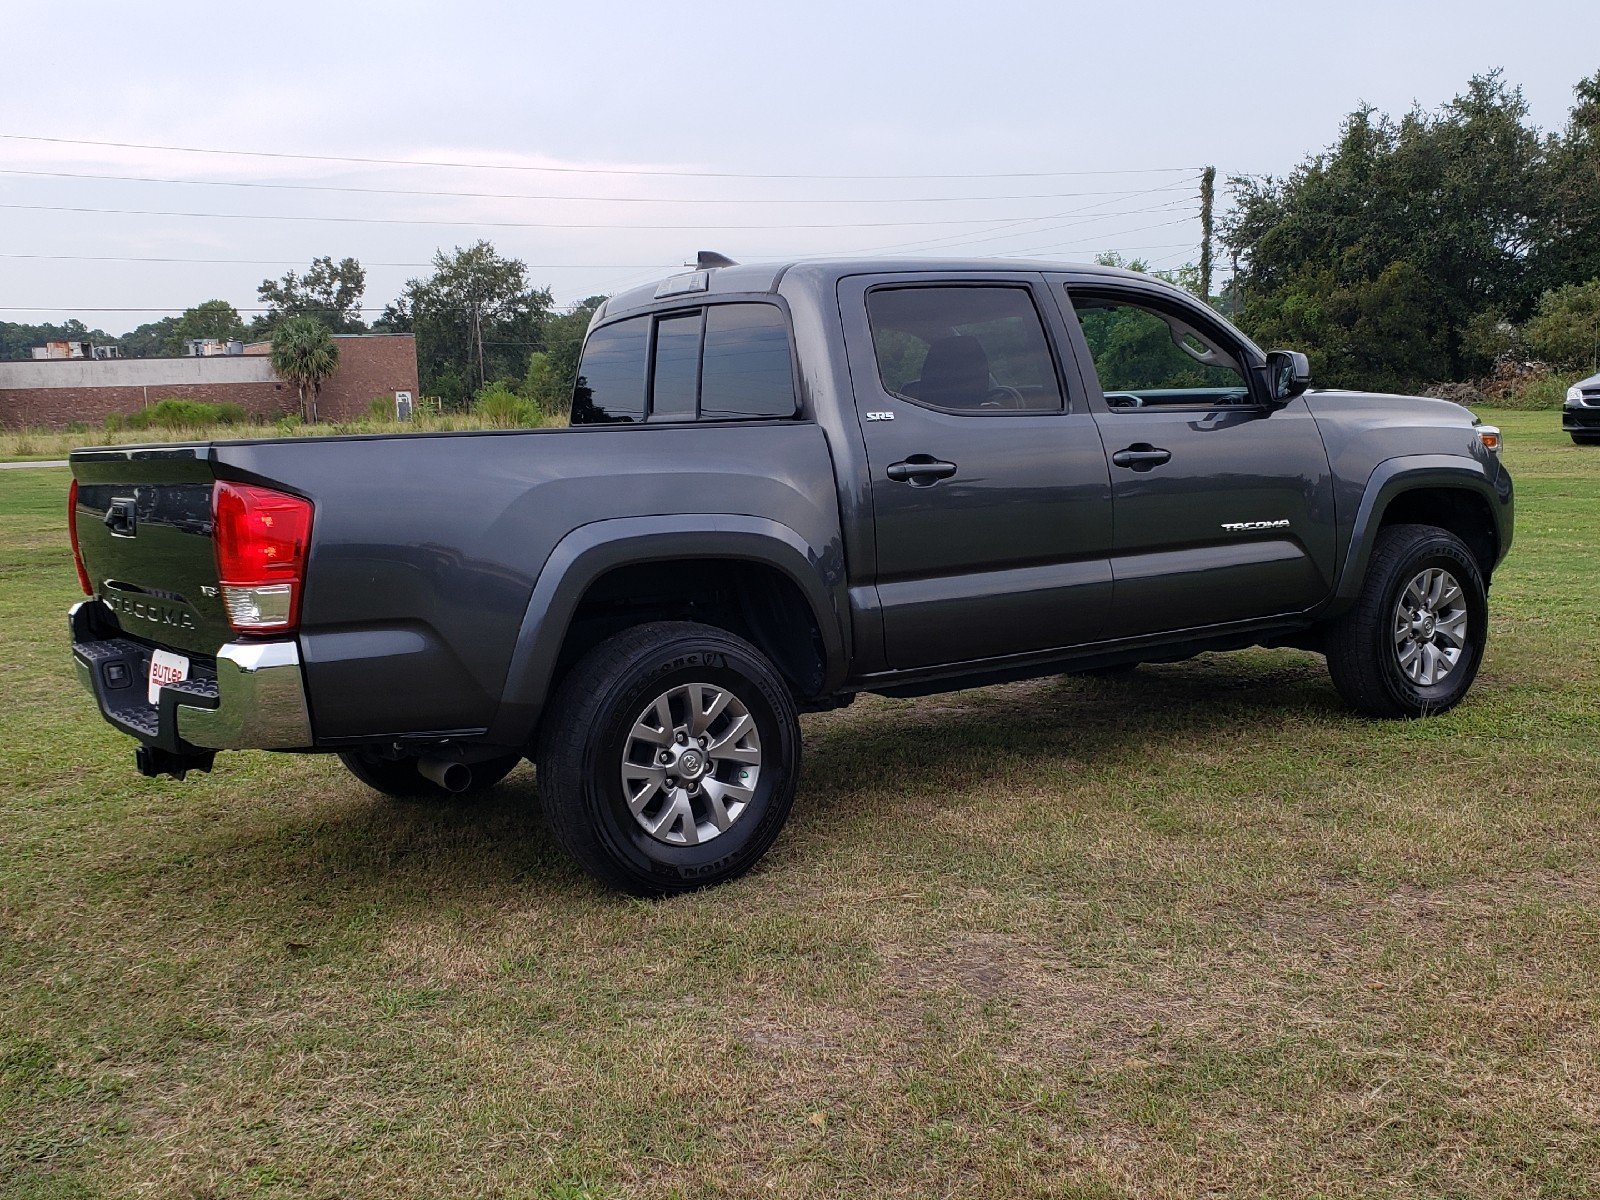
<point x="1429" y="490"/>
<point x="610" y="575"/>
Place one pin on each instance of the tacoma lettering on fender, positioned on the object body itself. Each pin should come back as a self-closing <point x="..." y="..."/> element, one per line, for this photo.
<point x="783" y="485"/>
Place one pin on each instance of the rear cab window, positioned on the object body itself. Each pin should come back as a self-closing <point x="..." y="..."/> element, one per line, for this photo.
<point x="963" y="348"/>
<point x="720" y="362"/>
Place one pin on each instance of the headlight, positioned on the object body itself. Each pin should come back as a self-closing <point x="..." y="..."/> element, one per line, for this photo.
<point x="1490" y="437"/>
<point x="1574" y="397"/>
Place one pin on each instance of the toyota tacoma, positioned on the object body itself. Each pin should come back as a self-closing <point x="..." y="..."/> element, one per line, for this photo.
<point x="783" y="485"/>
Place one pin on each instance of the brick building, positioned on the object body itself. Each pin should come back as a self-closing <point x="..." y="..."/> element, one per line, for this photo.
<point x="54" y="393"/>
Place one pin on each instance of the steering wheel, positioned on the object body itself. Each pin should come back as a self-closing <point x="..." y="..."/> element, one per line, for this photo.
<point x="1001" y="396"/>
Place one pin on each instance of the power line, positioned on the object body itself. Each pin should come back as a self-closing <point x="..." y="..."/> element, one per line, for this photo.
<point x="145" y="212"/>
<point x="1118" y="233"/>
<point x="178" y="309"/>
<point x="283" y="262"/>
<point x="970" y="237"/>
<point x="478" y="166"/>
<point x="183" y="308"/>
<point x="1010" y="230"/>
<point x="377" y="191"/>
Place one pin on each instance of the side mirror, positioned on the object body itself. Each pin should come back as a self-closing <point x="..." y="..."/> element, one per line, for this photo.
<point x="1288" y="374"/>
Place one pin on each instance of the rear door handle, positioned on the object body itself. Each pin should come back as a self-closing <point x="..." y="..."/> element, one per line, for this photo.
<point x="1141" y="456"/>
<point x="920" y="470"/>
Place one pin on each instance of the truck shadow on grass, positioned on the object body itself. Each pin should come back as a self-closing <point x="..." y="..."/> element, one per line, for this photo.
<point x="868" y="770"/>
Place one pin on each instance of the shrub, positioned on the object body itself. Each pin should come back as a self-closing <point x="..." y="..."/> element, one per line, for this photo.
<point x="1535" y="393"/>
<point x="179" y="414"/>
<point x="1565" y="328"/>
<point x="546" y="385"/>
<point x="500" y="407"/>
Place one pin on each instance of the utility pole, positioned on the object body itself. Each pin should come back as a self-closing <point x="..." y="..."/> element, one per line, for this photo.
<point x="1208" y="195"/>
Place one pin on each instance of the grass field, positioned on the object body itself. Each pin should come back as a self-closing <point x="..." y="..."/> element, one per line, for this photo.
<point x="1197" y="932"/>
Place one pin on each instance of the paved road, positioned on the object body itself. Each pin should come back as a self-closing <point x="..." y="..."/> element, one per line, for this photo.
<point x="17" y="466"/>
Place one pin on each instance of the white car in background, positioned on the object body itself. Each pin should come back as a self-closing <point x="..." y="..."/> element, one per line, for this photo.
<point x="1580" y="415"/>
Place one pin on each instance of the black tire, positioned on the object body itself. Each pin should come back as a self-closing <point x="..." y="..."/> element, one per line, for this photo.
<point x="1586" y="439"/>
<point x="400" y="779"/>
<point x="1361" y="648"/>
<point x="589" y="728"/>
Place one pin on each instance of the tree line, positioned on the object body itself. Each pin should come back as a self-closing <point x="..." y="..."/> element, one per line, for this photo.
<point x="481" y="326"/>
<point x="1412" y="250"/>
<point x="1428" y="247"/>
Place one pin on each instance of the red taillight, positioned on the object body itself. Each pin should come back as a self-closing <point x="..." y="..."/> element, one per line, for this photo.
<point x="72" y="530"/>
<point x="261" y="538"/>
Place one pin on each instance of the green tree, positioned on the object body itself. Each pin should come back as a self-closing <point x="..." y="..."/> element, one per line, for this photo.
<point x="1565" y="328"/>
<point x="1376" y="255"/>
<point x="1570" y="251"/>
<point x="476" y="318"/>
<point x="18" y="340"/>
<point x="210" y="319"/>
<point x="541" y="383"/>
<point x="304" y="354"/>
<point x="331" y="292"/>
<point x="150" y="339"/>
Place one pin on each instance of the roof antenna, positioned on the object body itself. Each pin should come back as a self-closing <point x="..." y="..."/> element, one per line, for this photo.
<point x="710" y="258"/>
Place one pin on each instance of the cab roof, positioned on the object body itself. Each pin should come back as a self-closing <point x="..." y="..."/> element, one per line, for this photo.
<point x="750" y="278"/>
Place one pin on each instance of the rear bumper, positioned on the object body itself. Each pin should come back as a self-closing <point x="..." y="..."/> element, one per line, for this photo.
<point x="254" y="698"/>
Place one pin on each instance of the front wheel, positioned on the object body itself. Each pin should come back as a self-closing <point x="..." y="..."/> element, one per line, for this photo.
<point x="1586" y="439"/>
<point x="1413" y="643"/>
<point x="668" y="758"/>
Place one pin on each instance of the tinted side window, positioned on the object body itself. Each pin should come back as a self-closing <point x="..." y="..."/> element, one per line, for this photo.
<point x="674" y="386"/>
<point x="747" y="371"/>
<point x="1146" y="357"/>
<point x="964" y="348"/>
<point x="611" y="377"/>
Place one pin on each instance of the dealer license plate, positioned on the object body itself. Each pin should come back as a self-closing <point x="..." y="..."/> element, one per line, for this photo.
<point x="165" y="668"/>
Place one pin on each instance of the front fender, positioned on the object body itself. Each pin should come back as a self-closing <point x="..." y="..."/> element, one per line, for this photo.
<point x="589" y="551"/>
<point x="1396" y="476"/>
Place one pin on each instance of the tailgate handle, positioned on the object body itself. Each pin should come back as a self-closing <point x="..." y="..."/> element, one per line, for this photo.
<point x="120" y="518"/>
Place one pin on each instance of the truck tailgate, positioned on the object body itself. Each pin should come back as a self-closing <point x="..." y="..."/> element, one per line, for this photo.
<point x="144" y="529"/>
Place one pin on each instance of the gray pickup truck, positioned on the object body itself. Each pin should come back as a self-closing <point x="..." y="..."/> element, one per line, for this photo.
<point x="784" y="485"/>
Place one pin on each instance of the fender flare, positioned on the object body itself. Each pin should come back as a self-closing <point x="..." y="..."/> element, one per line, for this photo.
<point x="1393" y="478"/>
<point x="588" y="552"/>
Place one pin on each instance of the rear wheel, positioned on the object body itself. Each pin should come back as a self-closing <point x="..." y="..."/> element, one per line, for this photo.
<point x="1412" y="644"/>
<point x="399" y="778"/>
<point x="668" y="758"/>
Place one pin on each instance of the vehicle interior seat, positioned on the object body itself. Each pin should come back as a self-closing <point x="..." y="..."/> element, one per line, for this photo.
<point x="955" y="374"/>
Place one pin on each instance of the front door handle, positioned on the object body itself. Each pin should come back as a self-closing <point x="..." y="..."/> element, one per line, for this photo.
<point x="920" y="470"/>
<point x="1141" y="456"/>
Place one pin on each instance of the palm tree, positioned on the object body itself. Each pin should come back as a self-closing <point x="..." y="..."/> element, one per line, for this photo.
<point x="304" y="354"/>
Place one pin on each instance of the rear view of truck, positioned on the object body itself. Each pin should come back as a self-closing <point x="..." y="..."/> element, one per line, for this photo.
<point x="194" y="585"/>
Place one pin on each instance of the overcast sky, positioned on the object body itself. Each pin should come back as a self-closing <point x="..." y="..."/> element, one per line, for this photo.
<point x="1074" y="128"/>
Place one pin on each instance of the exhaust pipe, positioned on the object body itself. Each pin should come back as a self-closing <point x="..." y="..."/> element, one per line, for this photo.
<point x="451" y="774"/>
